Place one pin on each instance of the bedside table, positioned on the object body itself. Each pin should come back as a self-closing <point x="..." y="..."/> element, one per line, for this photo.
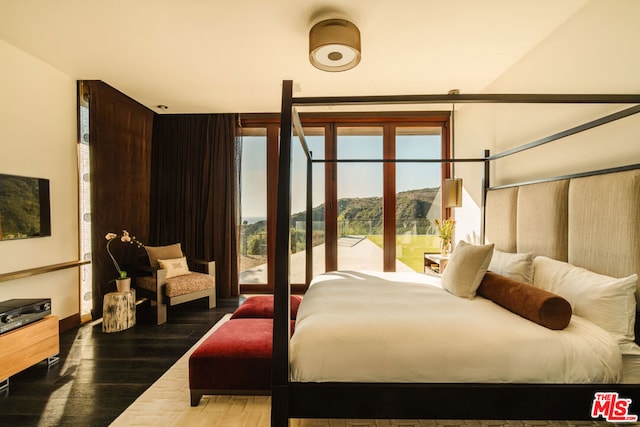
<point x="435" y="263"/>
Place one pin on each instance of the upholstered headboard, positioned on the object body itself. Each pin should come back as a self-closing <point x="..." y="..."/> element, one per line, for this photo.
<point x="592" y="222"/>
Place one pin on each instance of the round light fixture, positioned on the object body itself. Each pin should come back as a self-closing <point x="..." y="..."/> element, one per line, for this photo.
<point x="334" y="45"/>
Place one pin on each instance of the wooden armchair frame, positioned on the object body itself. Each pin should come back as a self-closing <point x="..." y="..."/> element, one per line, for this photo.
<point x="160" y="299"/>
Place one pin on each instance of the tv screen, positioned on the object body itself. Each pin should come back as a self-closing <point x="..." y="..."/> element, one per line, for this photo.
<point x="24" y="207"/>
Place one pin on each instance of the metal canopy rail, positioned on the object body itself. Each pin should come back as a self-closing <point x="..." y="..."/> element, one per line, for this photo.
<point x="586" y="126"/>
<point x="524" y="98"/>
<point x="413" y="400"/>
<point x="471" y="160"/>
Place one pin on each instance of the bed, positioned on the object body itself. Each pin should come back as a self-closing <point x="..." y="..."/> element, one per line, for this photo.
<point x="358" y="385"/>
<point x="426" y="334"/>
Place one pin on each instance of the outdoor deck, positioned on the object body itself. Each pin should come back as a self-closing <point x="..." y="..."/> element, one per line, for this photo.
<point x="354" y="253"/>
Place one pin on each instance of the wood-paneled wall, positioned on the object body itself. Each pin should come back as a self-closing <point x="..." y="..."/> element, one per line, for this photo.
<point x="120" y="136"/>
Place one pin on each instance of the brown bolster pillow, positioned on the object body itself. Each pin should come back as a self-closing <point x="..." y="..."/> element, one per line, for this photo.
<point x="535" y="304"/>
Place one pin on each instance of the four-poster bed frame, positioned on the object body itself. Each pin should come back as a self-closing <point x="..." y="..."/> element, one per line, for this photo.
<point x="415" y="400"/>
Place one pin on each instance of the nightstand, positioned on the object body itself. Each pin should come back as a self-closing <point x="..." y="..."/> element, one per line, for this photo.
<point x="435" y="263"/>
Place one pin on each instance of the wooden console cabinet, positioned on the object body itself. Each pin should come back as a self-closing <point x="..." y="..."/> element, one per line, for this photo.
<point x="28" y="345"/>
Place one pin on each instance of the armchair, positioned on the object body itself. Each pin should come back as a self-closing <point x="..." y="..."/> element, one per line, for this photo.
<point x="168" y="279"/>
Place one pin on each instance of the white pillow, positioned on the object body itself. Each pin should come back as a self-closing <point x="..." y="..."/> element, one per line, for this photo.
<point x="466" y="268"/>
<point x="606" y="301"/>
<point x="516" y="266"/>
<point x="175" y="266"/>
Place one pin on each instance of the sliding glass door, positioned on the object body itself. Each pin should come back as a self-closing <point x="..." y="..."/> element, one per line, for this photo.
<point x="368" y="212"/>
<point x="253" y="253"/>
<point x="359" y="192"/>
<point x="258" y="180"/>
<point x="315" y="139"/>
<point x="418" y="195"/>
<point x="385" y="210"/>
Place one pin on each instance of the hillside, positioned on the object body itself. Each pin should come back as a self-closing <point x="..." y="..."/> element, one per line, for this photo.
<point x="357" y="216"/>
<point x="410" y="205"/>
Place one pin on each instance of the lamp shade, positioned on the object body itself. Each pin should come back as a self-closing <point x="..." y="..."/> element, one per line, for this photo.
<point x="452" y="196"/>
<point x="334" y="45"/>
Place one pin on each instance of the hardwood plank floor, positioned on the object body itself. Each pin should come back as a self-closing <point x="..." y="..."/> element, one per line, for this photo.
<point x="99" y="375"/>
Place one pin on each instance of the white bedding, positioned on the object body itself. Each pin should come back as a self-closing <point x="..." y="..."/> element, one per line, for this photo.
<point x="402" y="327"/>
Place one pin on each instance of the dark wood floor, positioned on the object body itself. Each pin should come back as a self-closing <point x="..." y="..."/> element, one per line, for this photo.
<point x="99" y="375"/>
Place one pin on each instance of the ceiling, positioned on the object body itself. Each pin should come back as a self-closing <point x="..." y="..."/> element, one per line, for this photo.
<point x="232" y="55"/>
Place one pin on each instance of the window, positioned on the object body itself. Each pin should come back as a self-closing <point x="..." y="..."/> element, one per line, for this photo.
<point x="315" y="139"/>
<point x="375" y="214"/>
<point x="253" y="251"/>
<point x="359" y="204"/>
<point x="84" y="204"/>
<point x="418" y="195"/>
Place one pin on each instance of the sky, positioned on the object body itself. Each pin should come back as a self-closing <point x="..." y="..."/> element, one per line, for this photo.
<point x="354" y="179"/>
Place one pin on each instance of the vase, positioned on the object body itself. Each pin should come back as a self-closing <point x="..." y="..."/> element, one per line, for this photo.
<point x="123" y="285"/>
<point x="445" y="247"/>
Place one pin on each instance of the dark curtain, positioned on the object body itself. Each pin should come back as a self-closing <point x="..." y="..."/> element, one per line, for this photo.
<point x="120" y="131"/>
<point x="194" y="190"/>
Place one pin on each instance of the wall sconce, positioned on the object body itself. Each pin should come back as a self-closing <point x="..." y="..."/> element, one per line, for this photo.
<point x="452" y="193"/>
<point x="334" y="45"/>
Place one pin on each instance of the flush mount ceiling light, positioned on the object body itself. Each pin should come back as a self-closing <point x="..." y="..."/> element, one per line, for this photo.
<point x="334" y="45"/>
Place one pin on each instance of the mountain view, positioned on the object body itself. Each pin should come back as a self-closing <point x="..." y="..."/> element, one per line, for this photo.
<point x="357" y="216"/>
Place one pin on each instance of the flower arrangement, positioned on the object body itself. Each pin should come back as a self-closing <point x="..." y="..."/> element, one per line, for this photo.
<point x="126" y="238"/>
<point x="445" y="228"/>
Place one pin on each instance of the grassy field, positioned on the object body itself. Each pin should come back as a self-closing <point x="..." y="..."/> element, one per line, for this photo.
<point x="410" y="249"/>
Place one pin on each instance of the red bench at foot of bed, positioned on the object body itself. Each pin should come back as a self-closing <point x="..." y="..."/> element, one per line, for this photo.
<point x="261" y="306"/>
<point x="234" y="359"/>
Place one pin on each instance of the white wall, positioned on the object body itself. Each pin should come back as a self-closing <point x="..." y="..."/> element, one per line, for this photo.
<point x="38" y="138"/>
<point x="593" y="52"/>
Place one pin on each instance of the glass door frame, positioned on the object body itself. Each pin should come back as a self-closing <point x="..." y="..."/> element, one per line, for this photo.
<point x="389" y="126"/>
<point x="389" y="121"/>
<point x="272" y="130"/>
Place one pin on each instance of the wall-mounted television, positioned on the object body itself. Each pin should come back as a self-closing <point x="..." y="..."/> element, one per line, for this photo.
<point x="25" y="209"/>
